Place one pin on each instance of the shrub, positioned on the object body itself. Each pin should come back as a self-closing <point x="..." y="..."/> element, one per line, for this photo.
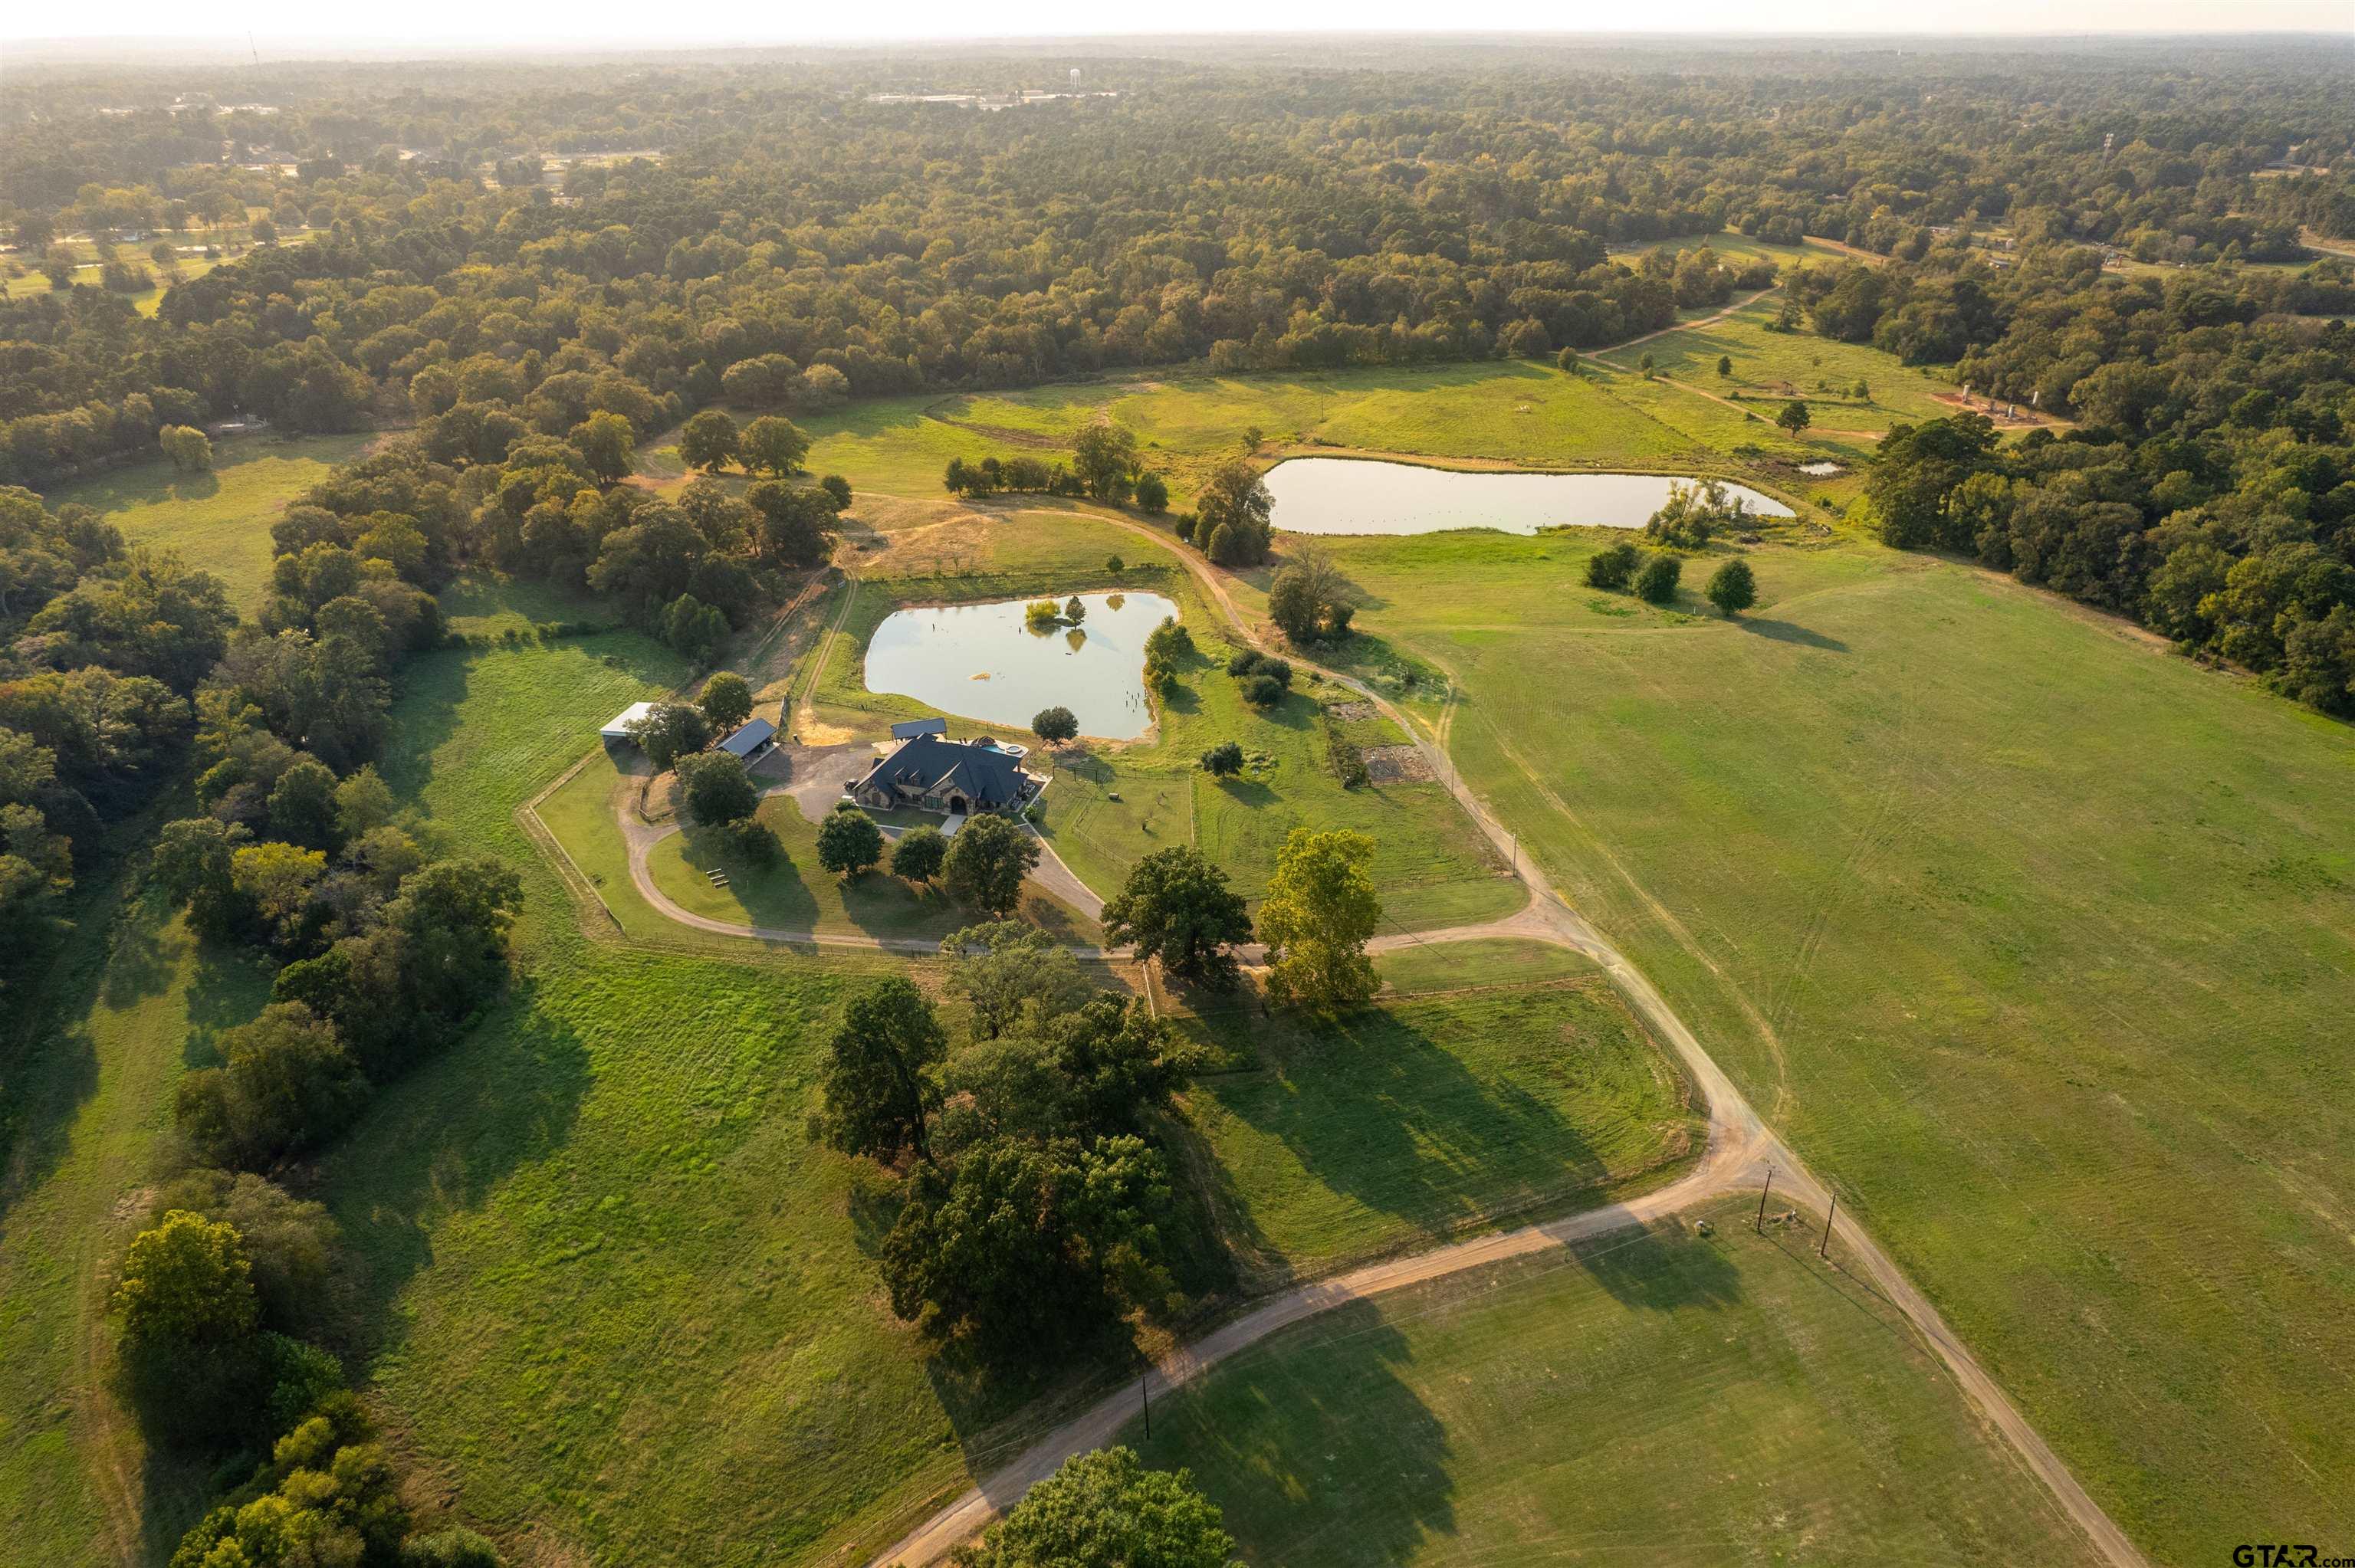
<point x="1658" y="581"/>
<point x="1732" y="588"/>
<point x="1223" y="760"/>
<point x="1260" y="690"/>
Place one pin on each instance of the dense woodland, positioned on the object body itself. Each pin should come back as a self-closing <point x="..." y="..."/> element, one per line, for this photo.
<point x="396" y="249"/>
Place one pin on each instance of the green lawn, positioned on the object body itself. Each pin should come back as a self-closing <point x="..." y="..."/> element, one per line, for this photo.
<point x="2037" y="941"/>
<point x="1396" y="1126"/>
<point x="797" y="894"/>
<point x="1650" y="1397"/>
<point x="219" y="520"/>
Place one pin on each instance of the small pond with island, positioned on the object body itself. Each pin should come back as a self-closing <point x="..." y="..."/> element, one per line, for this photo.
<point x="986" y="662"/>
<point x="1371" y="495"/>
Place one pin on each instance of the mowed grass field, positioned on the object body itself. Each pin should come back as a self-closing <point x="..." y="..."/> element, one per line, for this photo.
<point x="2038" y="942"/>
<point x="1451" y="1107"/>
<point x="219" y="520"/>
<point x="1650" y="1396"/>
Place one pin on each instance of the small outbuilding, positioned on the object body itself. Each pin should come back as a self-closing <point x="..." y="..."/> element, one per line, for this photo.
<point x="908" y="729"/>
<point x="750" y="740"/>
<point x="617" y="728"/>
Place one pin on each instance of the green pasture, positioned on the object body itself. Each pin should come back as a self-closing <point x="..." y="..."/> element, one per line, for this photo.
<point x="1397" y="1127"/>
<point x="218" y="520"/>
<point x="1648" y="1396"/>
<point x="2033" y="938"/>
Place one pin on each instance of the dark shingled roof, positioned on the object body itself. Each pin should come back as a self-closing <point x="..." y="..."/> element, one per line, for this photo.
<point x="908" y="729"/>
<point x="985" y="776"/>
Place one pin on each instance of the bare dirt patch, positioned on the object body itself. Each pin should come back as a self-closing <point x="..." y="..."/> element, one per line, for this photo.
<point x="1396" y="765"/>
<point x="1350" y="712"/>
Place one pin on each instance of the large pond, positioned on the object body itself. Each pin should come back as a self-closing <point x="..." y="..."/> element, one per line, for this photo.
<point x="1361" y="495"/>
<point x="984" y="662"/>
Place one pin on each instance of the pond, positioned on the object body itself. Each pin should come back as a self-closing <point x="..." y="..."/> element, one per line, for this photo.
<point x="983" y="662"/>
<point x="1361" y="495"/>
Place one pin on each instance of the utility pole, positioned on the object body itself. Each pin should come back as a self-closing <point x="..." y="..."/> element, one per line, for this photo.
<point x="1759" y="1224"/>
<point x="1827" y="1241"/>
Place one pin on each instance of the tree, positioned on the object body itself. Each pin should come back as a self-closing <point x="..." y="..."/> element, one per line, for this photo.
<point x="1176" y="907"/>
<point x="726" y="700"/>
<point x="607" y="444"/>
<point x="838" y="489"/>
<point x="1008" y="969"/>
<point x="274" y="881"/>
<point x="1568" y="362"/>
<point x="187" y="1283"/>
<point x="1725" y="365"/>
<point x="697" y="630"/>
<point x="772" y="444"/>
<point x="303" y="808"/>
<point x="1106" y="1508"/>
<point x="1022" y="1241"/>
<point x="986" y="862"/>
<point x="669" y="731"/>
<point x="709" y="440"/>
<point x="717" y="789"/>
<point x="1612" y="566"/>
<point x="798" y="523"/>
<point x="918" y="853"/>
<point x="1152" y="495"/>
<point x="193" y="863"/>
<point x="1732" y="588"/>
<point x="1291" y="605"/>
<point x="1656" y="582"/>
<point x="1794" y="417"/>
<point x="292" y="1243"/>
<point x="1320" y="911"/>
<point x="187" y="448"/>
<point x="1236" y="499"/>
<point x="848" y="842"/>
<point x="1223" y="760"/>
<point x="1054" y="726"/>
<point x="880" y="1088"/>
<point x="1694" y="513"/>
<point x="1103" y="457"/>
<point x="289" y="1085"/>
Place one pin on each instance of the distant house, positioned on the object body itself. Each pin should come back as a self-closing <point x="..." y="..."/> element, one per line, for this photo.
<point x="617" y="728"/>
<point x="908" y="729"/>
<point x="750" y="740"/>
<point x="937" y="774"/>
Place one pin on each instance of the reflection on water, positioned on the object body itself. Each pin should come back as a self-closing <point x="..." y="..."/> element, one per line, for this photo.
<point x="982" y="660"/>
<point x="1361" y="495"/>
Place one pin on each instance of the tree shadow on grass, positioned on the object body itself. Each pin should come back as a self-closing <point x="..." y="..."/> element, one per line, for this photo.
<point x="1660" y="1268"/>
<point x="1320" y="1412"/>
<point x="1786" y="632"/>
<point x="439" y="1140"/>
<point x="1376" y="1110"/>
<point x="230" y="986"/>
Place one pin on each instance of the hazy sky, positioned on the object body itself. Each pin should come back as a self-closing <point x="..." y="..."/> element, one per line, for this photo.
<point x="294" y="23"/>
